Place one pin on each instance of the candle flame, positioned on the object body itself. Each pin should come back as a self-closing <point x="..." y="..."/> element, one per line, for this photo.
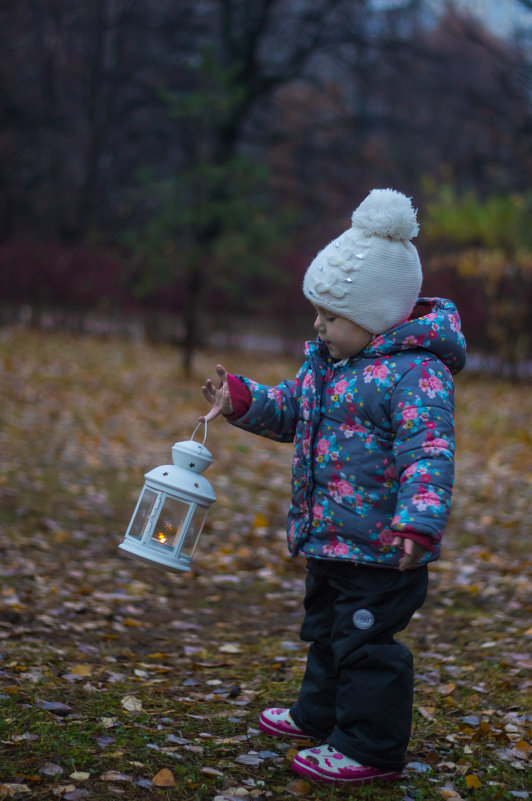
<point x="161" y="537"/>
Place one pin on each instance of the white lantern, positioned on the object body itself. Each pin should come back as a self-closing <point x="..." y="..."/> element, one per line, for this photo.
<point x="171" y="510"/>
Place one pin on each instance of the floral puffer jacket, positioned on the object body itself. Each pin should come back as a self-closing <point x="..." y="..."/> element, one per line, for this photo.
<point x="374" y="439"/>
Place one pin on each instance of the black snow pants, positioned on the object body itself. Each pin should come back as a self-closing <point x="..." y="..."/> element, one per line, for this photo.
<point x="357" y="691"/>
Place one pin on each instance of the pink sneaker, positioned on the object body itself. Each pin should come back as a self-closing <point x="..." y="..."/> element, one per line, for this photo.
<point x="278" y="721"/>
<point x="325" y="764"/>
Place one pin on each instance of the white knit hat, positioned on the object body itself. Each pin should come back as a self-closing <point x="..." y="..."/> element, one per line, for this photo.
<point x="370" y="274"/>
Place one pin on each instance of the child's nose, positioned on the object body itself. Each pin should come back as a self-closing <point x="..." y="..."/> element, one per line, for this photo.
<point x="318" y="325"/>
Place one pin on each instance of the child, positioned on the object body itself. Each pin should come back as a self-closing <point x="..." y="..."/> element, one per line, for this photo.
<point x="371" y="415"/>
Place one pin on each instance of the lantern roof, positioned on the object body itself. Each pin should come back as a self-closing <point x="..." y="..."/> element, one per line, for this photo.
<point x="181" y="481"/>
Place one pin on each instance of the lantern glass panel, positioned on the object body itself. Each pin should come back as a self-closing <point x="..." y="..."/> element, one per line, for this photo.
<point x="193" y="531"/>
<point x="171" y="519"/>
<point x="142" y="515"/>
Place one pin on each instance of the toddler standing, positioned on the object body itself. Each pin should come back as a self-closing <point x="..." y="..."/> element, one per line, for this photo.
<point x="371" y="415"/>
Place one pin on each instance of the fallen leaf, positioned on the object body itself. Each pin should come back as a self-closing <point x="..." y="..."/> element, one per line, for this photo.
<point x="61" y="789"/>
<point x="51" y="769"/>
<point x="447" y="689"/>
<point x="521" y="749"/>
<point x="115" y="776"/>
<point x="164" y="778"/>
<point x="109" y="723"/>
<point x="252" y="760"/>
<point x="54" y="706"/>
<point x="230" y="648"/>
<point x="211" y="771"/>
<point x="80" y="775"/>
<point x="11" y="790"/>
<point x="299" y="787"/>
<point x="472" y="781"/>
<point x="82" y="670"/>
<point x="131" y="703"/>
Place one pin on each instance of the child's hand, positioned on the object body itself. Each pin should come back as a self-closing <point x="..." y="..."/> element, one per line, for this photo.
<point x="412" y="552"/>
<point x="218" y="397"/>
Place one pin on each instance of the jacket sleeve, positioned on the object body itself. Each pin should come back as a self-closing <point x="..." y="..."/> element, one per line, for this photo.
<point x="273" y="411"/>
<point x="422" y="415"/>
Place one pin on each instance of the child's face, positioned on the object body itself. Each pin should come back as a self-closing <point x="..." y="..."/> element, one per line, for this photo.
<point x="342" y="337"/>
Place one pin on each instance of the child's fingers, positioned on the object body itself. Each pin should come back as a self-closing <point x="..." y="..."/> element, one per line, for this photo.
<point x="220" y="369"/>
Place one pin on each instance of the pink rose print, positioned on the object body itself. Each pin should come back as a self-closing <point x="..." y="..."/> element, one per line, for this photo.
<point x="307" y="381"/>
<point x="390" y="474"/>
<point x="430" y="384"/>
<point x="340" y="489"/>
<point x="317" y="512"/>
<point x="408" y="472"/>
<point x="425" y="498"/>
<point x="344" y="488"/>
<point x="409" y="413"/>
<point x="436" y="445"/>
<point x="323" y="446"/>
<point x="340" y="387"/>
<point x="375" y="372"/>
<point x="350" y="429"/>
<point x="341" y="549"/>
<point x="386" y="536"/>
<point x="411" y="341"/>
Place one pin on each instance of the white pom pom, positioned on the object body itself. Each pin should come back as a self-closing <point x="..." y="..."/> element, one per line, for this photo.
<point x="386" y="212"/>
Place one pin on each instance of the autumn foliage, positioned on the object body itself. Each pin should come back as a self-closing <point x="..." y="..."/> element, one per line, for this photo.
<point x="117" y="678"/>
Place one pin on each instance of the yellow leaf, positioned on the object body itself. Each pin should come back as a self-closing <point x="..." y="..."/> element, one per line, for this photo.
<point x="82" y="670"/>
<point x="427" y="712"/>
<point x="522" y="749"/>
<point x="164" y="778"/>
<point x="447" y="689"/>
<point x="472" y="781"/>
<point x="130" y="621"/>
<point x="80" y="775"/>
<point x="260" y="521"/>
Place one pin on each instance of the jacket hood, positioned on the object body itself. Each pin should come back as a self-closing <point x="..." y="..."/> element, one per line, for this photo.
<point x="434" y="325"/>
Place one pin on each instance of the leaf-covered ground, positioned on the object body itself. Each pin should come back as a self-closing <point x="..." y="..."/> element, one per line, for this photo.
<point x="118" y="680"/>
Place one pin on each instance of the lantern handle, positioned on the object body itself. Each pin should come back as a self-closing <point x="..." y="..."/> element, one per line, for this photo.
<point x="204" y="436"/>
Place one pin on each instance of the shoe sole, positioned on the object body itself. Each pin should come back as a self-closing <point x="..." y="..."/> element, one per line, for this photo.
<point x="304" y="769"/>
<point x="269" y="728"/>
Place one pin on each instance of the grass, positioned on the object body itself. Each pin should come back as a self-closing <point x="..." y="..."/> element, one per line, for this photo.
<point x="202" y="653"/>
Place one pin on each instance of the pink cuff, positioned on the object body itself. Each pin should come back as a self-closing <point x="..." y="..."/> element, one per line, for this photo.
<point x="422" y="539"/>
<point x="240" y="397"/>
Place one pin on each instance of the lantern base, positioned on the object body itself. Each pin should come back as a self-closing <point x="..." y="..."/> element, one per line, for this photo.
<point x="155" y="557"/>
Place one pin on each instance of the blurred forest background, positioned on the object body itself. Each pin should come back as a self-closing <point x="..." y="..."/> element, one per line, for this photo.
<point x="168" y="168"/>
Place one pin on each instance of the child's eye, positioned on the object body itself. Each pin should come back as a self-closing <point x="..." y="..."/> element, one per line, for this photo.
<point x="330" y="319"/>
